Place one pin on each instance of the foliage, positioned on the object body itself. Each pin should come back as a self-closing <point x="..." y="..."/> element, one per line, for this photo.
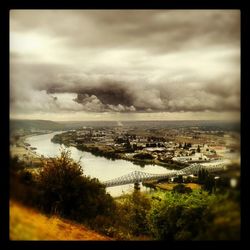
<point x="65" y="191"/>
<point x="178" y="179"/>
<point x="178" y="216"/>
<point x="223" y="219"/>
<point x="16" y="164"/>
<point x="112" y="155"/>
<point x="143" y="156"/>
<point x="206" y="180"/>
<point x="182" y="189"/>
<point x="22" y="182"/>
<point x="131" y="214"/>
<point x="194" y="216"/>
<point x="181" y="214"/>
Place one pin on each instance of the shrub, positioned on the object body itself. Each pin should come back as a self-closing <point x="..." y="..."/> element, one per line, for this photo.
<point x="180" y="188"/>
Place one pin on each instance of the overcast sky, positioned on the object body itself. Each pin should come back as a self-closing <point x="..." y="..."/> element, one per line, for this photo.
<point x="125" y="64"/>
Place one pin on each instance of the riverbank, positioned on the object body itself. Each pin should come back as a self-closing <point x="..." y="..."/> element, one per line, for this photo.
<point x="110" y="153"/>
<point x="24" y="151"/>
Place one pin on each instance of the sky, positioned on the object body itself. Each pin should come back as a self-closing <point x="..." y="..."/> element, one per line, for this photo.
<point x="125" y="64"/>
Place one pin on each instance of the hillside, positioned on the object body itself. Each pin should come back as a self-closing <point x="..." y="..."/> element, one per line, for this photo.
<point x="35" y="124"/>
<point x="29" y="224"/>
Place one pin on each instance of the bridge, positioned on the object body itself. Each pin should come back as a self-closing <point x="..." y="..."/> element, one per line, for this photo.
<point x="138" y="176"/>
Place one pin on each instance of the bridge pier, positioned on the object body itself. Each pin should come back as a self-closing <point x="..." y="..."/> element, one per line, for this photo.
<point x="137" y="186"/>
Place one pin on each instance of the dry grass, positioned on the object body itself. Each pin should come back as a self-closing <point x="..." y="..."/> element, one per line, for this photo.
<point x="29" y="224"/>
<point x="193" y="186"/>
<point x="170" y="186"/>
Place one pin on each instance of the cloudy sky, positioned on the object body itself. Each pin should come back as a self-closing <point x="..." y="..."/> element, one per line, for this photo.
<point x="125" y="64"/>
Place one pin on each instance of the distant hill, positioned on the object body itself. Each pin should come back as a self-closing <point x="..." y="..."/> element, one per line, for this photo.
<point x="66" y="125"/>
<point x="35" y="124"/>
<point x="29" y="224"/>
<point x="202" y="124"/>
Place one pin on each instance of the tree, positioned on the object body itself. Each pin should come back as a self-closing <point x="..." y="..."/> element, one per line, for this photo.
<point x="23" y="182"/>
<point x="67" y="192"/>
<point x="178" y="179"/>
<point x="26" y="177"/>
<point x="131" y="213"/>
<point x="143" y="156"/>
<point x="206" y="180"/>
<point x="202" y="175"/>
<point x="128" y="146"/>
<point x="16" y="164"/>
<point x="198" y="149"/>
<point x="209" y="184"/>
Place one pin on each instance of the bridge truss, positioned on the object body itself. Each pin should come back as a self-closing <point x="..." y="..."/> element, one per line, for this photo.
<point x="138" y="176"/>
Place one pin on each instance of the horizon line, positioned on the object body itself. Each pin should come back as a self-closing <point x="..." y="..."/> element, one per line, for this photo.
<point x="225" y="120"/>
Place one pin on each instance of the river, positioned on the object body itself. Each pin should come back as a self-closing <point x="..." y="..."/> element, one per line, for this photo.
<point x="94" y="166"/>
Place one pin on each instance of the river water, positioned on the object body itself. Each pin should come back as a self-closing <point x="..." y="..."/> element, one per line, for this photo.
<point x="94" y="166"/>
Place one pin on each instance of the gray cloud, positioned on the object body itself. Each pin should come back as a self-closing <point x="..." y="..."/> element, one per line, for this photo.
<point x="157" y="30"/>
<point x="132" y="96"/>
<point x="125" y="61"/>
<point x="108" y="92"/>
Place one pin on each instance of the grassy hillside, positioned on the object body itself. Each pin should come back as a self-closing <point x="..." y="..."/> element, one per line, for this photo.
<point x="35" y="124"/>
<point x="29" y="224"/>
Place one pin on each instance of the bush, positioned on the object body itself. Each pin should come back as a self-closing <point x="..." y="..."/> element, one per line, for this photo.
<point x="180" y="188"/>
<point x="104" y="224"/>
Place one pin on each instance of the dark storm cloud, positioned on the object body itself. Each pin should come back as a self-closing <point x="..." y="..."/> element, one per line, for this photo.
<point x="109" y="96"/>
<point x="108" y="93"/>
